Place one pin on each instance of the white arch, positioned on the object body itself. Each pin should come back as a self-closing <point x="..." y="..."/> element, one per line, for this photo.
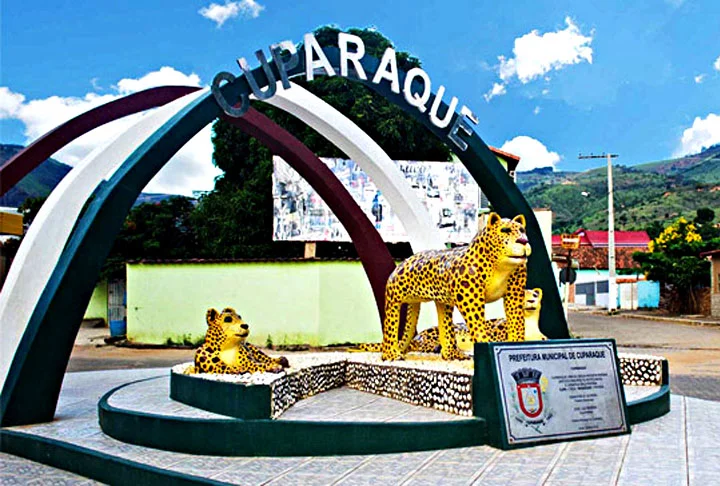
<point x="46" y="238"/>
<point x="348" y="137"/>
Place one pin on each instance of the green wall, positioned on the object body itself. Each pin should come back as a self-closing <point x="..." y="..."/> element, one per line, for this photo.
<point x="293" y="302"/>
<point x="97" y="309"/>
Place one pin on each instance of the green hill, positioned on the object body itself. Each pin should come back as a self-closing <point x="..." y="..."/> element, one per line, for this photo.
<point x="37" y="183"/>
<point x="703" y="166"/>
<point x="41" y="181"/>
<point x="644" y="194"/>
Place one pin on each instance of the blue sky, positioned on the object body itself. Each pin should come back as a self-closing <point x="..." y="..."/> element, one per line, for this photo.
<point x="641" y="79"/>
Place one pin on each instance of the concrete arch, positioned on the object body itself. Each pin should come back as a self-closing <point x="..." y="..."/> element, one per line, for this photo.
<point x="12" y="171"/>
<point x="55" y="221"/>
<point x="31" y="399"/>
<point x="374" y="255"/>
<point x="42" y="245"/>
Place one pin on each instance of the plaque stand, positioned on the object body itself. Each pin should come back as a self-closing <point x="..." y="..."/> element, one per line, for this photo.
<point x="539" y="392"/>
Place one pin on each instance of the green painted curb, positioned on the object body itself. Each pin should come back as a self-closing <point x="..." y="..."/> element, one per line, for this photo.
<point x="232" y="399"/>
<point x="283" y="438"/>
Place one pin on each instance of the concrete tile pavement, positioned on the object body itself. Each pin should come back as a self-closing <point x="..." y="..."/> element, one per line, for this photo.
<point x="679" y="448"/>
<point x="16" y="470"/>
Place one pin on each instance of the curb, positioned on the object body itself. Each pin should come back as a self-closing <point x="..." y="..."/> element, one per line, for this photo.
<point x="676" y="320"/>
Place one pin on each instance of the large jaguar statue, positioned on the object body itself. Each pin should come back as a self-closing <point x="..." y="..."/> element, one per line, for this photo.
<point x="225" y="349"/>
<point x="492" y="267"/>
<point x="428" y="341"/>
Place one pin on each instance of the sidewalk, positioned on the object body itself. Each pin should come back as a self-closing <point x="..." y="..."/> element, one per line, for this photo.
<point x="649" y="314"/>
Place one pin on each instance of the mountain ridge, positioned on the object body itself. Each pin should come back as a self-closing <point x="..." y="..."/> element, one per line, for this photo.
<point x="43" y="179"/>
<point x="645" y="195"/>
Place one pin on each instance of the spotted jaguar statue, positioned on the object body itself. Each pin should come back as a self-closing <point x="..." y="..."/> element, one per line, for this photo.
<point x="428" y="341"/>
<point x="226" y="350"/>
<point x="491" y="267"/>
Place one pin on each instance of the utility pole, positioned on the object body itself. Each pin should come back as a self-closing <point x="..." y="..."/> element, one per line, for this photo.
<point x="612" y="281"/>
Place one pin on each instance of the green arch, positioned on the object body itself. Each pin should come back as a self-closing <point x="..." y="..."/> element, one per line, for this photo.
<point x="34" y="379"/>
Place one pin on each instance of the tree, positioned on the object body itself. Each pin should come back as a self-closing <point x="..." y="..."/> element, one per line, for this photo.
<point x="674" y="259"/>
<point x="30" y="208"/>
<point x="704" y="221"/>
<point x="654" y="229"/>
<point x="160" y="230"/>
<point x="235" y="220"/>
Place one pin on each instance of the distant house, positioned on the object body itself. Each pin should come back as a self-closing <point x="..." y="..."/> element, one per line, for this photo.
<point x="591" y="286"/>
<point x="593" y="251"/>
<point x="11" y="228"/>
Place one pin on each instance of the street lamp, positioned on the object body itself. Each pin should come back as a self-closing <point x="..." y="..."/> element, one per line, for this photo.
<point x="612" y="280"/>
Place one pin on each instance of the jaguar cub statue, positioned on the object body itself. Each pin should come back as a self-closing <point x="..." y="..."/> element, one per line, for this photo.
<point x="491" y="267"/>
<point x="225" y="349"/>
<point x="533" y="300"/>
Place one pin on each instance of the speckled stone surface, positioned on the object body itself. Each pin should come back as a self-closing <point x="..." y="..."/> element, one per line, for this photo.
<point x="420" y="379"/>
<point x="679" y="448"/>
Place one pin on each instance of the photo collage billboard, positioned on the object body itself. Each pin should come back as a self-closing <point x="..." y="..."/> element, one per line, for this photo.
<point x="445" y="188"/>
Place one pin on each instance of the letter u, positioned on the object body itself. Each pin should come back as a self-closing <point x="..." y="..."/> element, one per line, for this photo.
<point x="260" y="94"/>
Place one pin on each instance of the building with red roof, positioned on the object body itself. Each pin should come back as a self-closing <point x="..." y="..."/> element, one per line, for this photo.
<point x="593" y="251"/>
<point x="591" y="286"/>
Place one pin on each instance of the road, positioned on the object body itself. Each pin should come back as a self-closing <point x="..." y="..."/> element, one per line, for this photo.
<point x="693" y="351"/>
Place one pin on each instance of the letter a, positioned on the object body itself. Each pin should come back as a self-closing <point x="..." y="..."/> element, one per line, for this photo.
<point x="388" y="61"/>
<point x="311" y="45"/>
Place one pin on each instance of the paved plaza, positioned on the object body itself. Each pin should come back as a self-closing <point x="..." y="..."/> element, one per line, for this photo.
<point x="682" y="447"/>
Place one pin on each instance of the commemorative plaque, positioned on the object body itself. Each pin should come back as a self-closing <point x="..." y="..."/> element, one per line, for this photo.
<point x="550" y="391"/>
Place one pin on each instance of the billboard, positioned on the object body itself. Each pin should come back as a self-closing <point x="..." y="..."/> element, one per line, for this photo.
<point x="446" y="189"/>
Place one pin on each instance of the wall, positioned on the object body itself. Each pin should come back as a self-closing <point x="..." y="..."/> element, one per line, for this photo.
<point x="715" y="286"/>
<point x="293" y="302"/>
<point x="648" y="294"/>
<point x="97" y="309"/>
<point x="544" y="219"/>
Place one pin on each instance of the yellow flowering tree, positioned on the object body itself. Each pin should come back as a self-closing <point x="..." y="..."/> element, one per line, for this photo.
<point x="674" y="260"/>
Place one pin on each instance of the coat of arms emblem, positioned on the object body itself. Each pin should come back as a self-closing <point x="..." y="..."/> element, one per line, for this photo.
<point x="529" y="392"/>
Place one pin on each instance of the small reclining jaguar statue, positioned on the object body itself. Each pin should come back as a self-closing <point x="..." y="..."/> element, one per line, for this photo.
<point x="226" y="350"/>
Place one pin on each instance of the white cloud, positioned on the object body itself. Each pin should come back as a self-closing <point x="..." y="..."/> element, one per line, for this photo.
<point x="190" y="169"/>
<point x="536" y="110"/>
<point x="165" y="76"/>
<point x="704" y="132"/>
<point x="716" y="64"/>
<point x="221" y="13"/>
<point x="498" y="89"/>
<point x="10" y="103"/>
<point x="699" y="78"/>
<point x="535" y="55"/>
<point x="532" y="153"/>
